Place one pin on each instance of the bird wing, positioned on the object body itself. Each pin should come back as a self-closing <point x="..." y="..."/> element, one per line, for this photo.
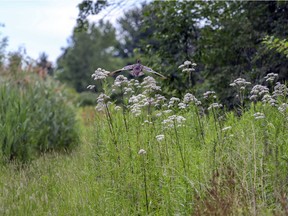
<point x="128" y="67"/>
<point x="152" y="71"/>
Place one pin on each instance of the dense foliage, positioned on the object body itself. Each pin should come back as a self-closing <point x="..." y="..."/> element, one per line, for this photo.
<point x="224" y="38"/>
<point x="87" y="51"/>
<point x="35" y="117"/>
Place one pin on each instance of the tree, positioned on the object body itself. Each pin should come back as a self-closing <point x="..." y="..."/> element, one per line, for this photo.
<point x="231" y="43"/>
<point x="223" y="38"/>
<point x="131" y="32"/>
<point x="87" y="50"/>
<point x="3" y="45"/>
<point x="44" y="64"/>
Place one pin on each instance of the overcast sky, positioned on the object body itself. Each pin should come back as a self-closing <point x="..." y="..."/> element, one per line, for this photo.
<point x="38" y="25"/>
<point x="42" y="25"/>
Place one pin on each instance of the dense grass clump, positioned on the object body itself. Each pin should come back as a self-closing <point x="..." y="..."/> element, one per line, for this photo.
<point x="35" y="117"/>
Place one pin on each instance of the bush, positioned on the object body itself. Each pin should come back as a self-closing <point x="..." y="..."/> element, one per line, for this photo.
<point x="86" y="99"/>
<point x="35" y="117"/>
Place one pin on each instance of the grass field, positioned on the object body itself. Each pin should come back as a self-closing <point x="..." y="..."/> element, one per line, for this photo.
<point x="176" y="159"/>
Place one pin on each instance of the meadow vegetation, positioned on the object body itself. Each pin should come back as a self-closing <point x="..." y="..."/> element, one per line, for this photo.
<point x="190" y="144"/>
<point x="144" y="154"/>
<point x="36" y="117"/>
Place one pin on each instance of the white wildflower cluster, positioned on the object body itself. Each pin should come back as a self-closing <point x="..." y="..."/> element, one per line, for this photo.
<point x="187" y="66"/>
<point x="160" y="137"/>
<point x="136" y="103"/>
<point x="102" y="100"/>
<point x="128" y="90"/>
<point x="182" y="105"/>
<point x="283" y="108"/>
<point x="159" y="101"/>
<point x="100" y="74"/>
<point x="120" y="81"/>
<point x="258" y="91"/>
<point x="215" y="106"/>
<point x="267" y="98"/>
<point x="173" y="102"/>
<point x="149" y="85"/>
<point x="167" y="111"/>
<point x="133" y="83"/>
<point x="270" y="77"/>
<point x="209" y="94"/>
<point x="259" y="115"/>
<point x="142" y="152"/>
<point x="136" y="98"/>
<point x="173" y="120"/>
<point x="135" y="109"/>
<point x="240" y="83"/>
<point x="280" y="90"/>
<point x="147" y="122"/>
<point x="158" y="113"/>
<point x="190" y="98"/>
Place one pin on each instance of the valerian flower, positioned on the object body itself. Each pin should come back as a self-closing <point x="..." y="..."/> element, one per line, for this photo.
<point x="269" y="99"/>
<point x="102" y="101"/>
<point x="128" y="90"/>
<point x="259" y="115"/>
<point x="142" y="152"/>
<point x="135" y="109"/>
<point x="120" y="81"/>
<point x="173" y="120"/>
<point x="159" y="100"/>
<point x="258" y="91"/>
<point x="209" y="94"/>
<point x="160" y="137"/>
<point x="173" y="101"/>
<point x="283" y="108"/>
<point x="215" y="106"/>
<point x="100" y="74"/>
<point x="240" y="83"/>
<point x="149" y="85"/>
<point x="182" y="106"/>
<point x="270" y="77"/>
<point x="280" y="90"/>
<point x="167" y="111"/>
<point x="190" y="98"/>
<point x="187" y="66"/>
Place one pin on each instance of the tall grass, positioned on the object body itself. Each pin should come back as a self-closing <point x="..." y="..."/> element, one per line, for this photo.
<point x="35" y="118"/>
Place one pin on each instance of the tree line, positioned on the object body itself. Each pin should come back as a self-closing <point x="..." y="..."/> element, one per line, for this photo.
<point x="226" y="40"/>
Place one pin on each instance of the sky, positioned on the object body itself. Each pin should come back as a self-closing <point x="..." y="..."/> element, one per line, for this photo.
<point x="41" y="25"/>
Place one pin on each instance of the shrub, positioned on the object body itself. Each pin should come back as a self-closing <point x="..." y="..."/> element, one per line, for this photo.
<point x="35" y="117"/>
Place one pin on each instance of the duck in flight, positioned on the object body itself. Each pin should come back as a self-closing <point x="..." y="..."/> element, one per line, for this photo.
<point x="137" y="70"/>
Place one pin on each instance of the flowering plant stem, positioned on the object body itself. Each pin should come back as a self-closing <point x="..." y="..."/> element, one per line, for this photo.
<point x="200" y="124"/>
<point x="111" y="128"/>
<point x="145" y="182"/>
<point x="179" y="147"/>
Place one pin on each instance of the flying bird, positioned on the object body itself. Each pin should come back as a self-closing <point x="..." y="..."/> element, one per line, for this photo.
<point x="137" y="70"/>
